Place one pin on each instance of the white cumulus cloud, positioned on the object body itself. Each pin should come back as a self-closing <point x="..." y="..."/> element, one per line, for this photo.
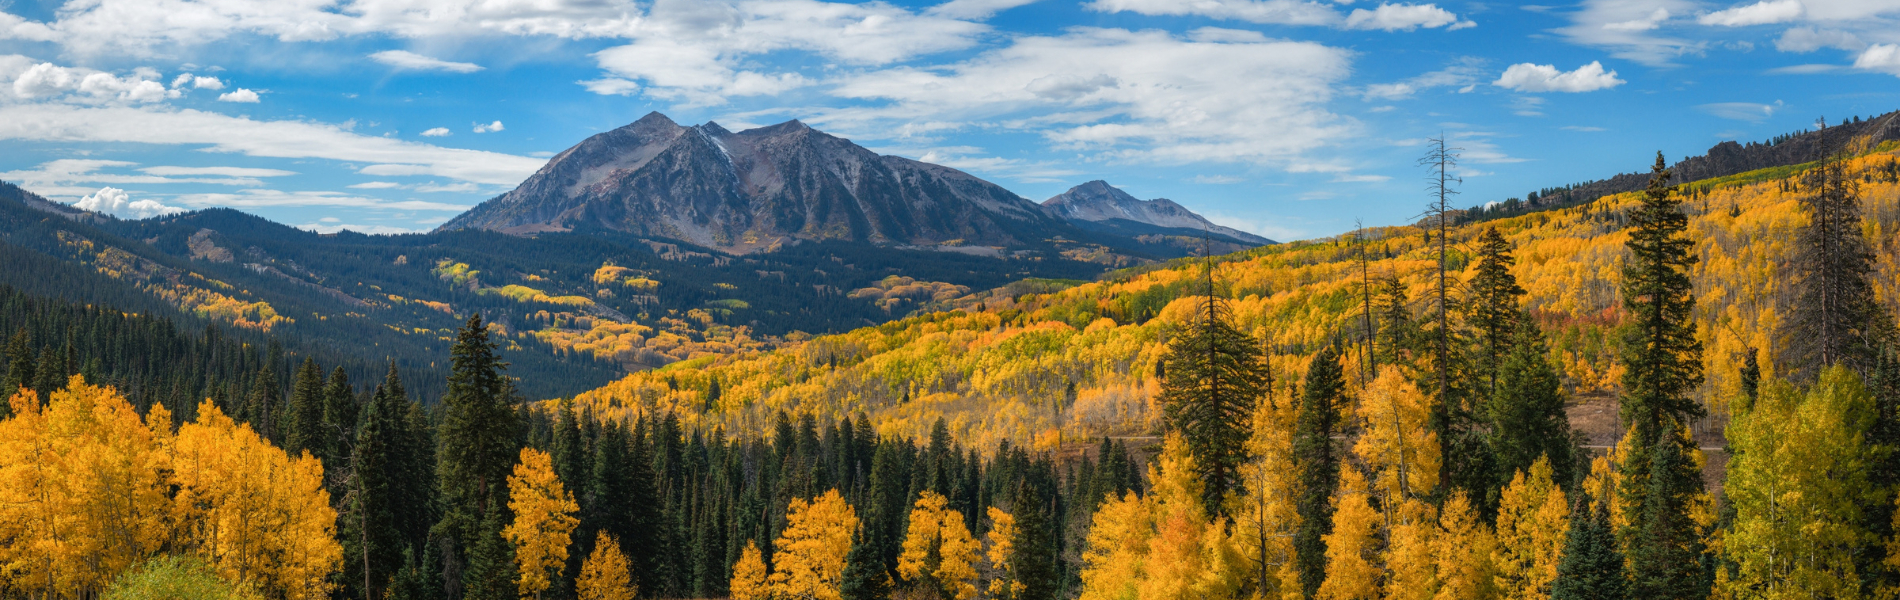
<point x="116" y="202"/>
<point x="206" y="83"/>
<point x="45" y="80"/>
<point x="1404" y="17"/>
<point x="1760" y="13"/>
<point x="491" y="127"/>
<point x="239" y="95"/>
<point x="1880" y="57"/>
<point x="1527" y="77"/>
<point x="437" y="132"/>
<point x="410" y="61"/>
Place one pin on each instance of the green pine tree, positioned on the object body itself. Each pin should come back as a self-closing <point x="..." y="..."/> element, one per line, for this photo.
<point x="51" y="375"/>
<point x="491" y="562"/>
<point x="265" y="396"/>
<point x="1034" y="563"/>
<point x="370" y="527"/>
<point x="1667" y="552"/>
<point x="864" y="576"/>
<point x="1526" y="412"/>
<point x="478" y="434"/>
<point x="1398" y="335"/>
<point x="1317" y="461"/>
<point x="340" y="412"/>
<point x="1592" y="565"/>
<point x="1883" y="474"/>
<point x="1662" y="358"/>
<point x="303" y="431"/>
<point x="1215" y="376"/>
<point x="418" y="579"/>
<point x="20" y="364"/>
<point x="888" y="500"/>
<point x="647" y="533"/>
<point x="1494" y="311"/>
<point x="570" y="451"/>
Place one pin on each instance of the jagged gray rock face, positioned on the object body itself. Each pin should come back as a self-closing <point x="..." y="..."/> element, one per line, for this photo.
<point x="754" y="190"/>
<point x="1097" y="201"/>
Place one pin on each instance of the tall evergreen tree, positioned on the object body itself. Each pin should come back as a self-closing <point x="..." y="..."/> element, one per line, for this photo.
<point x="420" y="577"/>
<point x="605" y="508"/>
<point x="1494" y="312"/>
<point x="1215" y="376"/>
<point x="1883" y="474"/>
<point x="491" y="568"/>
<point x="1662" y="358"/>
<point x="888" y="501"/>
<point x="476" y="446"/>
<point x="340" y="412"/>
<point x="646" y="529"/>
<point x="1033" y="563"/>
<point x="19" y="364"/>
<point x="1317" y="461"/>
<point x="1398" y="335"/>
<point x="570" y="453"/>
<point x="1592" y="564"/>
<point x="262" y="402"/>
<point x="370" y="525"/>
<point x="864" y="577"/>
<point x="1667" y="553"/>
<point x="1835" y="318"/>
<point x="303" y="427"/>
<point x="1526" y="412"/>
<point x="416" y="493"/>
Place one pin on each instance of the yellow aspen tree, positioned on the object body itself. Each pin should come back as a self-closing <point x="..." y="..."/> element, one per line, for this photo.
<point x="1002" y="544"/>
<point x="607" y="575"/>
<point x="1189" y="556"/>
<point x="1533" y="522"/>
<point x="812" y="548"/>
<point x="749" y="576"/>
<point x="1265" y="512"/>
<point x="937" y="533"/>
<point x="81" y="496"/>
<point x="1606" y="478"/>
<point x="257" y="515"/>
<point x="1398" y="444"/>
<point x="544" y="519"/>
<point x="1115" y="561"/>
<point x="1411" y="556"/>
<point x="1465" y="545"/>
<point x="1352" y="572"/>
<point x="1798" y="481"/>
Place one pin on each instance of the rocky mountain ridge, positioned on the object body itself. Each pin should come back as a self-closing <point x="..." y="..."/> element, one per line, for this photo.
<point x="756" y="190"/>
<point x="1097" y="202"/>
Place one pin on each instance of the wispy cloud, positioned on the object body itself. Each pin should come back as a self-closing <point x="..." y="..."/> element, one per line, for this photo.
<point x="1741" y="111"/>
<point x="410" y="61"/>
<point x="240" y="135"/>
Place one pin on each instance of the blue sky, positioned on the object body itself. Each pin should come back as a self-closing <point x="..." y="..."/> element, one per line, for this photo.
<point x="1290" y="118"/>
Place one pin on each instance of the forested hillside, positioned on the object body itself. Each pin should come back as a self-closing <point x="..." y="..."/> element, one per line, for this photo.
<point x="1081" y="361"/>
<point x="578" y="309"/>
<point x="1378" y="415"/>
